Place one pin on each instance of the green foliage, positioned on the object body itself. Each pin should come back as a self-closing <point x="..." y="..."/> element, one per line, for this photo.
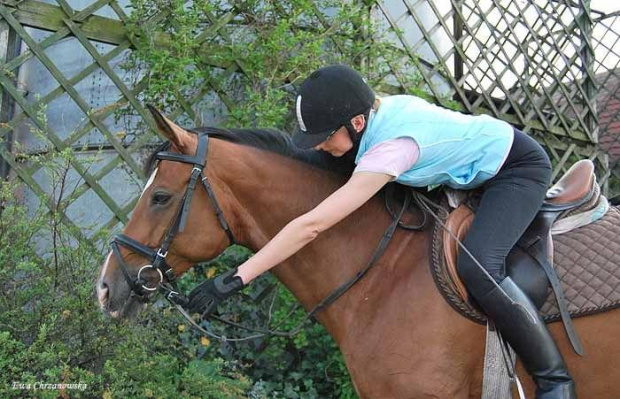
<point x="52" y="332"/>
<point x="307" y="365"/>
<point x="252" y="53"/>
<point x="158" y="373"/>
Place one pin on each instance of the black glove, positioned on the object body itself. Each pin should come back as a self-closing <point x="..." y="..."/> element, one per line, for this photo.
<point x="207" y="295"/>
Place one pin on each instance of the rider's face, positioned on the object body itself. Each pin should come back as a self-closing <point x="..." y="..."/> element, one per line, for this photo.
<point x="337" y="144"/>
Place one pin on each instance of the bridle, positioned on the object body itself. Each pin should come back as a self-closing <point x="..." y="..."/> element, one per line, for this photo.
<point x="167" y="280"/>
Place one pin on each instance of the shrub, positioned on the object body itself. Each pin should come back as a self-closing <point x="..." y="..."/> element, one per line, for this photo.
<point x="52" y="332"/>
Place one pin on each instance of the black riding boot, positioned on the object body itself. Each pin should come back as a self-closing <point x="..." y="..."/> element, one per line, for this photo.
<point x="519" y="322"/>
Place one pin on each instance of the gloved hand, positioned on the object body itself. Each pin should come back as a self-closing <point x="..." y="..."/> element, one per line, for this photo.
<point x="207" y="295"/>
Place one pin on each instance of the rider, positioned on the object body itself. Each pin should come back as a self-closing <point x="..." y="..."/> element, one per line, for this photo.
<point x="408" y="140"/>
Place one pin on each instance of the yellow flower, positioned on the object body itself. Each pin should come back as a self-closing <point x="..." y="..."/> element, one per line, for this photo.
<point x="66" y="313"/>
<point x="181" y="327"/>
<point x="205" y="341"/>
<point x="210" y="272"/>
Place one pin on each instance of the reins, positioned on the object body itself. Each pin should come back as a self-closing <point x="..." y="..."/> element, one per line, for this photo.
<point x="329" y="299"/>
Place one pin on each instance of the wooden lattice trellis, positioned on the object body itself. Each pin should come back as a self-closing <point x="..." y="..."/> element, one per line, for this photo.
<point x="529" y="63"/>
<point x="607" y="72"/>
<point x="541" y="65"/>
<point x="63" y="21"/>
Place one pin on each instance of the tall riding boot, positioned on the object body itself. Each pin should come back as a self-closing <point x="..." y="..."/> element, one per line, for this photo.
<point x="519" y="322"/>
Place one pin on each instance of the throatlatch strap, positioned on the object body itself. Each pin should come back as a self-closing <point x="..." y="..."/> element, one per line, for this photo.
<point x="218" y="210"/>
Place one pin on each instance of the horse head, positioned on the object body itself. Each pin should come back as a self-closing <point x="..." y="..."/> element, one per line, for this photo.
<point x="158" y="218"/>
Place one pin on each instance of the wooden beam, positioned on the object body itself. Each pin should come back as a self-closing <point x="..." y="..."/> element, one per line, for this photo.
<point x="39" y="15"/>
<point x="10" y="45"/>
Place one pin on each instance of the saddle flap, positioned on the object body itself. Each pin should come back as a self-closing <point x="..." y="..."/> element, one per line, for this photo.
<point x="520" y="265"/>
<point x="458" y="222"/>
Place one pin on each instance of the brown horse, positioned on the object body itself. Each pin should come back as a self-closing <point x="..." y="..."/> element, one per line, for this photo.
<point x="399" y="337"/>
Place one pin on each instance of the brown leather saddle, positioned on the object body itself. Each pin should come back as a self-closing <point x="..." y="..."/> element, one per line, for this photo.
<point x="529" y="263"/>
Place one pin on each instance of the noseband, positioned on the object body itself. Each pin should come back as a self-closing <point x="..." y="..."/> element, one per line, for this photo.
<point x="157" y="257"/>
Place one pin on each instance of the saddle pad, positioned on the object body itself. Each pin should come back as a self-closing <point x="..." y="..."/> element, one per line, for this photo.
<point x="587" y="261"/>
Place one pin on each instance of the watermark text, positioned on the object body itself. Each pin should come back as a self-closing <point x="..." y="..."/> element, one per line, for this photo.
<point x="41" y="386"/>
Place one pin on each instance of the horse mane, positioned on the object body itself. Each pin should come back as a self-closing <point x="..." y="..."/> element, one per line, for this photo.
<point x="271" y="140"/>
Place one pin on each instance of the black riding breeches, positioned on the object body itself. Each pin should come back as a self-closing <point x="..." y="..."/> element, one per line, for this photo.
<point x="509" y="202"/>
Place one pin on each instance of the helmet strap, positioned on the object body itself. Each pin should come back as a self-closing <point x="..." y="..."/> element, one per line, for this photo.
<point x="352" y="133"/>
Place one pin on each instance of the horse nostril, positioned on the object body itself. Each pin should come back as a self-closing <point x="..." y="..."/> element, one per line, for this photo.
<point x="102" y="292"/>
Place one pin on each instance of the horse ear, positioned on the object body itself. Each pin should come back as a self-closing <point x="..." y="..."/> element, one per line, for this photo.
<point x="169" y="130"/>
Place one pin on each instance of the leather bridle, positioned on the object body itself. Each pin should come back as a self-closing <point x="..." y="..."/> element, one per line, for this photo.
<point x="157" y="257"/>
<point x="167" y="280"/>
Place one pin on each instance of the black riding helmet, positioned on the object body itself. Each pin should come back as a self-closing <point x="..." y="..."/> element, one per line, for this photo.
<point x="327" y="100"/>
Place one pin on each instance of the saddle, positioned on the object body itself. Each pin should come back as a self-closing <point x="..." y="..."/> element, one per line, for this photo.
<point x="530" y="262"/>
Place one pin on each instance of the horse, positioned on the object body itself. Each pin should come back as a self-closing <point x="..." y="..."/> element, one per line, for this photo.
<point x="398" y="336"/>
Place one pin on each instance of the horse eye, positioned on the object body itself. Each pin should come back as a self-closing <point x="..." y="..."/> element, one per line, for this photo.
<point x="160" y="198"/>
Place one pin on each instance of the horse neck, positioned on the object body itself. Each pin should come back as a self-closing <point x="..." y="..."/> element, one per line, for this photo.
<point x="269" y="191"/>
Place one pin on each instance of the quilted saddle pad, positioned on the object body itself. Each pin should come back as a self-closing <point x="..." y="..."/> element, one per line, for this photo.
<point x="587" y="261"/>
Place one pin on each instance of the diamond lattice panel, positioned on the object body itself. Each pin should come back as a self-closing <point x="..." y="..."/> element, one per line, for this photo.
<point x="548" y="67"/>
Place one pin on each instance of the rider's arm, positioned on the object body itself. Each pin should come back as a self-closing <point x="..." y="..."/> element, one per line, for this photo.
<point x="302" y="230"/>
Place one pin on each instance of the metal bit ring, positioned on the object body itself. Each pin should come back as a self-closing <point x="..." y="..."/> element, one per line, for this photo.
<point x="161" y="277"/>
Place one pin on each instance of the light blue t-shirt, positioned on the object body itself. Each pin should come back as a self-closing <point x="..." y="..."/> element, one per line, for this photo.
<point x="458" y="150"/>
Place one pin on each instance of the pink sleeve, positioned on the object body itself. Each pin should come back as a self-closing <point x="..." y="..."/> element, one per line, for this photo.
<point x="392" y="157"/>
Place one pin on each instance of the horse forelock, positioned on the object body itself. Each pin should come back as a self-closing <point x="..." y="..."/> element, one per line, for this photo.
<point x="270" y="140"/>
<point x="151" y="161"/>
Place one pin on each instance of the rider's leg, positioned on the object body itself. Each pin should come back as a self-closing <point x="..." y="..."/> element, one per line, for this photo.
<point x="509" y="203"/>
